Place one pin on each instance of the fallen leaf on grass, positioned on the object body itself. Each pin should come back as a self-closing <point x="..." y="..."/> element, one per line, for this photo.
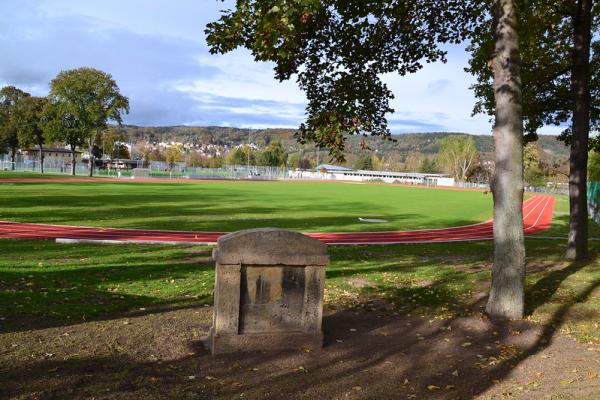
<point x="433" y="387"/>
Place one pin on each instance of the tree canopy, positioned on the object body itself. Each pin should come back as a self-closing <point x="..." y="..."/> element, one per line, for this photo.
<point x="241" y="155"/>
<point x="457" y="155"/>
<point x="273" y="156"/>
<point x="338" y="51"/>
<point x="83" y="100"/>
<point x="546" y="45"/>
<point x="29" y="121"/>
<point x="10" y="97"/>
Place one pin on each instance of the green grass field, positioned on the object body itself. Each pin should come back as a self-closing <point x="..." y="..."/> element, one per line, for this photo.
<point x="118" y="312"/>
<point x="49" y="280"/>
<point x="61" y="283"/>
<point x="230" y="206"/>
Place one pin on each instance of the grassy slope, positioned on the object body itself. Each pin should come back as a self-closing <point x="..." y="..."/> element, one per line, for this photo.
<point x="229" y="206"/>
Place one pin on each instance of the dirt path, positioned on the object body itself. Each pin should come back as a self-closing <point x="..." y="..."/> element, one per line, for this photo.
<point x="157" y="354"/>
<point x="537" y="217"/>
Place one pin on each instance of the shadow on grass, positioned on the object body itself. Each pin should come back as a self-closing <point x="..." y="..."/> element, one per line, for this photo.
<point x="367" y="354"/>
<point x="127" y="205"/>
<point x="82" y="282"/>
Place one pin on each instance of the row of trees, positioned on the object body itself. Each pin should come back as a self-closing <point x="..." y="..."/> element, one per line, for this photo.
<point x="338" y="52"/>
<point x="76" y="112"/>
<point x="274" y="155"/>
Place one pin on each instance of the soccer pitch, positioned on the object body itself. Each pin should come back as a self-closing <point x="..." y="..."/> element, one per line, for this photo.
<point x="229" y="206"/>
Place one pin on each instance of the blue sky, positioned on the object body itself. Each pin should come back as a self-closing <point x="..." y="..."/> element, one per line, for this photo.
<point x="156" y="51"/>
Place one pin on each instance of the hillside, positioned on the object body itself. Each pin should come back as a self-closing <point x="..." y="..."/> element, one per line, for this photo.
<point x="424" y="143"/>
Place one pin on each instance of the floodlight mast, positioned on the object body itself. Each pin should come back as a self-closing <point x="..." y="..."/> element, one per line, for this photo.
<point x="248" y="156"/>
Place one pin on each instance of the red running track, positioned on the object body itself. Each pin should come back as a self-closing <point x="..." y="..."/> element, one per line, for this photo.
<point x="537" y="217"/>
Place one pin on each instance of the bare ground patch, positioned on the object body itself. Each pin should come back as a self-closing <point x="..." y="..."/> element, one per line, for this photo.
<point x="158" y="354"/>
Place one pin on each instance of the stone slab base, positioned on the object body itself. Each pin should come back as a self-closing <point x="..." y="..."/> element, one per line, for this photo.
<point x="231" y="343"/>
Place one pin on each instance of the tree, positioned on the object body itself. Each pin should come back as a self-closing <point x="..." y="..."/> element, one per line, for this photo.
<point x="156" y="155"/>
<point x="364" y="162"/>
<point x="61" y="126"/>
<point x="110" y="142"/>
<point x="594" y="166"/>
<point x="241" y="155"/>
<point x="90" y="98"/>
<point x="10" y="97"/>
<point x="338" y="50"/>
<point x="378" y="163"/>
<point x="29" y="124"/>
<point x="428" y="166"/>
<point x="215" y="162"/>
<point x="300" y="161"/>
<point x="173" y="155"/>
<point x="144" y="149"/>
<point x="533" y="169"/>
<point x="413" y="161"/>
<point x="561" y="81"/>
<point x="273" y="156"/>
<point x="479" y="172"/>
<point x="577" y="245"/>
<point x="507" y="294"/>
<point x="457" y="154"/>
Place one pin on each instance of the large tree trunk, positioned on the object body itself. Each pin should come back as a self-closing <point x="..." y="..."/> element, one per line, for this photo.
<point x="577" y="248"/>
<point x="13" y="156"/>
<point x="508" y="274"/>
<point x="41" y="158"/>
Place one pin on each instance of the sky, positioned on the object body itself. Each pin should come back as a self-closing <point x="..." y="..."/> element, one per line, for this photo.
<point x="157" y="53"/>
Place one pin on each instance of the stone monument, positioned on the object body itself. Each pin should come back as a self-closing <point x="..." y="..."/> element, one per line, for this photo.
<point x="268" y="291"/>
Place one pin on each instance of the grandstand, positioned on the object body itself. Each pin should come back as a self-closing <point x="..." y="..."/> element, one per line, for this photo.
<point x="334" y="172"/>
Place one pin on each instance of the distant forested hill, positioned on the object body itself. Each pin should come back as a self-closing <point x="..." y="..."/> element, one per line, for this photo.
<point x="425" y="143"/>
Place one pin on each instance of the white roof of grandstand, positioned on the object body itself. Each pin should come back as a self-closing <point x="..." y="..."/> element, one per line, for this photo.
<point x="330" y="167"/>
<point x="392" y="173"/>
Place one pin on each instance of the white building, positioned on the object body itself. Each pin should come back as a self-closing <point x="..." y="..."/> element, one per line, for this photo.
<point x="334" y="172"/>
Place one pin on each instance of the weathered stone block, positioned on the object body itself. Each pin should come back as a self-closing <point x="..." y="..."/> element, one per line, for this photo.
<point x="268" y="291"/>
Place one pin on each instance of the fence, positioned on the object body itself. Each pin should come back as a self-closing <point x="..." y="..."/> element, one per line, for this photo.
<point x="50" y="167"/>
<point x="593" y="197"/>
<point x="245" y="172"/>
<point x="547" y="190"/>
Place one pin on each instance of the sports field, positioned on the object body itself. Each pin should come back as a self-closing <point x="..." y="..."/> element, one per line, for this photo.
<point x="131" y="316"/>
<point x="230" y="206"/>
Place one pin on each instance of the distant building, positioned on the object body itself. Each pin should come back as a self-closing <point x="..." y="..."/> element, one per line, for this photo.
<point x="413" y="178"/>
<point x="335" y="172"/>
<point x="52" y="155"/>
<point x="332" y="168"/>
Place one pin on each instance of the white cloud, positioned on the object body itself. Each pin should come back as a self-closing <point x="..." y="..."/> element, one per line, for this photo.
<point x="156" y="50"/>
<point x="241" y="77"/>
